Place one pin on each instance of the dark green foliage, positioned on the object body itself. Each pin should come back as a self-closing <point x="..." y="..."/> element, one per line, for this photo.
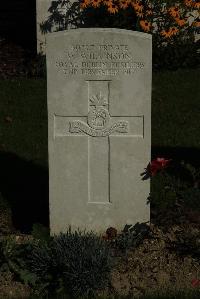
<point x="64" y="14"/>
<point x="191" y="198"/>
<point x="182" y="53"/>
<point x="176" y="185"/>
<point x="13" y="258"/>
<point x="76" y="263"/>
<point x="164" y="191"/>
<point x="131" y="236"/>
<point x="40" y="232"/>
<point x="99" y="17"/>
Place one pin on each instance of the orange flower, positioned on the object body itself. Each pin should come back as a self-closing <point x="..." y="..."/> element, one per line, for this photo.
<point x="96" y="3"/>
<point x="180" y="22"/>
<point x="145" y="25"/>
<point x="124" y="4"/>
<point x="107" y="2"/>
<point x="85" y="3"/>
<point x="139" y="14"/>
<point x="137" y="6"/>
<point x="197" y="5"/>
<point x="149" y="12"/>
<point x="112" y="8"/>
<point x="165" y="33"/>
<point x="196" y="24"/>
<point x="174" y="12"/>
<point x="172" y="31"/>
<point x="188" y="3"/>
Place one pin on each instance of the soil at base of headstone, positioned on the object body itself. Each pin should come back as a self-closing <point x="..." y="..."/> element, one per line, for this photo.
<point x="10" y="288"/>
<point x="167" y="258"/>
<point x="159" y="264"/>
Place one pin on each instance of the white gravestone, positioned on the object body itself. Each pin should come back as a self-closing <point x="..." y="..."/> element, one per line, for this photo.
<point x="99" y="116"/>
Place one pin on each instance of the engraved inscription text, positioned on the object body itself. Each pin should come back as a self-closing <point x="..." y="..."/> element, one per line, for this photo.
<point x="97" y="59"/>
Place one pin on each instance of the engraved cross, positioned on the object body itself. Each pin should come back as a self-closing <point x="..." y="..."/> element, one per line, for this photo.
<point x="99" y="127"/>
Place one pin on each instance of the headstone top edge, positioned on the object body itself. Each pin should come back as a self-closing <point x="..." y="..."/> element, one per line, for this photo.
<point x="99" y="30"/>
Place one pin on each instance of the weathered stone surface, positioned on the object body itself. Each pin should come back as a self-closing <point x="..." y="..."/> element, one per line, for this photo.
<point x="99" y="105"/>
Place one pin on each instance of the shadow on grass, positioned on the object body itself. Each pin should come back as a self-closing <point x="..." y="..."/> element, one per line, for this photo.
<point x="24" y="185"/>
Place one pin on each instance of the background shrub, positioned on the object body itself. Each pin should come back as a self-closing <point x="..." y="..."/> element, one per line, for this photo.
<point x="169" y="22"/>
<point x="178" y="184"/>
<point x="13" y="259"/>
<point x="180" y="54"/>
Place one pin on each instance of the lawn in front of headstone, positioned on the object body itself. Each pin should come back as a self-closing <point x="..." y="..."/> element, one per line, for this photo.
<point x="24" y="119"/>
<point x="175" y="110"/>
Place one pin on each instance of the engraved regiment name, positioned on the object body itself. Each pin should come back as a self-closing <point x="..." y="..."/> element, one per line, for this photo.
<point x="97" y="59"/>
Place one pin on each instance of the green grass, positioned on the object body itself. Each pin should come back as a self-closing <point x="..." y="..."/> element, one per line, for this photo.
<point x="24" y="101"/>
<point x="175" y="114"/>
<point x="175" y="122"/>
<point x="176" y="109"/>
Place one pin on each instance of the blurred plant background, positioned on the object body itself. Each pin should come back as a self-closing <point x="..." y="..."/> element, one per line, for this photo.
<point x="173" y="24"/>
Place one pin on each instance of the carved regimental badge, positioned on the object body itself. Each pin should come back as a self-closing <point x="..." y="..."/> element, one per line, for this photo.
<point x="98" y="120"/>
